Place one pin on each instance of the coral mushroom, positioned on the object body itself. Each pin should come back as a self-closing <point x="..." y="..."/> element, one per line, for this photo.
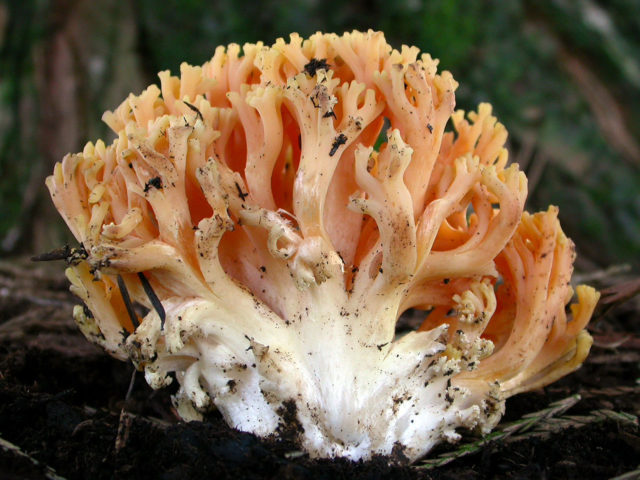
<point x="261" y="222"/>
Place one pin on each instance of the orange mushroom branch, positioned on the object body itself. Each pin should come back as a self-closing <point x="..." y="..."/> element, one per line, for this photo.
<point x="260" y="223"/>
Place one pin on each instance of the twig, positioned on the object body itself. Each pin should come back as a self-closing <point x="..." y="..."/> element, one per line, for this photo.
<point x="72" y="255"/>
<point x="124" y="426"/>
<point x="624" y="357"/>
<point x="124" y="423"/>
<point x="130" y="389"/>
<point x="154" y="421"/>
<point x="610" y="392"/>
<point x="600" y="341"/>
<point x="612" y="271"/>
<point x="41" y="301"/>
<point x="622" y="292"/>
<point x="554" y="425"/>
<point x="49" y="472"/>
<point x="633" y="475"/>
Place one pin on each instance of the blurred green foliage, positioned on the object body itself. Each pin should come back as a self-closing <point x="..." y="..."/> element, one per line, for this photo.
<point x="16" y="81"/>
<point x="547" y="66"/>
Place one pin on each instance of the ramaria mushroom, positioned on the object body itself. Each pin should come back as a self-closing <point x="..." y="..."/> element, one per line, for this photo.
<point x="275" y="212"/>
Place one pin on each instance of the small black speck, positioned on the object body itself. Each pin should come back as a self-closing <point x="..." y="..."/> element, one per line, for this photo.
<point x="339" y="140"/>
<point x="155" y="182"/>
<point x="315" y="64"/>
<point x="195" y="109"/>
<point x="87" y="312"/>
<point x="124" y="333"/>
<point x="241" y="194"/>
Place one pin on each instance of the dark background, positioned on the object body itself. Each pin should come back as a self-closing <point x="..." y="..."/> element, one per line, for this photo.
<point x="564" y="77"/>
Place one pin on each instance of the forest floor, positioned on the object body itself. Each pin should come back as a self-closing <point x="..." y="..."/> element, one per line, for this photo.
<point x="63" y="412"/>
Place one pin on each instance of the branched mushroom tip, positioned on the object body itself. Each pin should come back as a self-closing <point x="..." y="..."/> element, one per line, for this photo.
<point x="254" y="231"/>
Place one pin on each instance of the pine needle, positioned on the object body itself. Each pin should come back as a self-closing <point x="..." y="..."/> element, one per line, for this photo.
<point x="541" y="424"/>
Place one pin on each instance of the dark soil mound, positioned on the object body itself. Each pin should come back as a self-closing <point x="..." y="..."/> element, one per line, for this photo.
<point x="63" y="414"/>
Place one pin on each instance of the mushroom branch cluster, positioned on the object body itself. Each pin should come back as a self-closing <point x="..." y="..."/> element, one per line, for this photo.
<point x="261" y="222"/>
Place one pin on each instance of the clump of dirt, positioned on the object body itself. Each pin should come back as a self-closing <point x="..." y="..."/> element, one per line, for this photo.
<point x="63" y="414"/>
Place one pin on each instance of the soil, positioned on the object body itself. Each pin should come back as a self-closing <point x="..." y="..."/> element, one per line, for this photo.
<point x="63" y="412"/>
